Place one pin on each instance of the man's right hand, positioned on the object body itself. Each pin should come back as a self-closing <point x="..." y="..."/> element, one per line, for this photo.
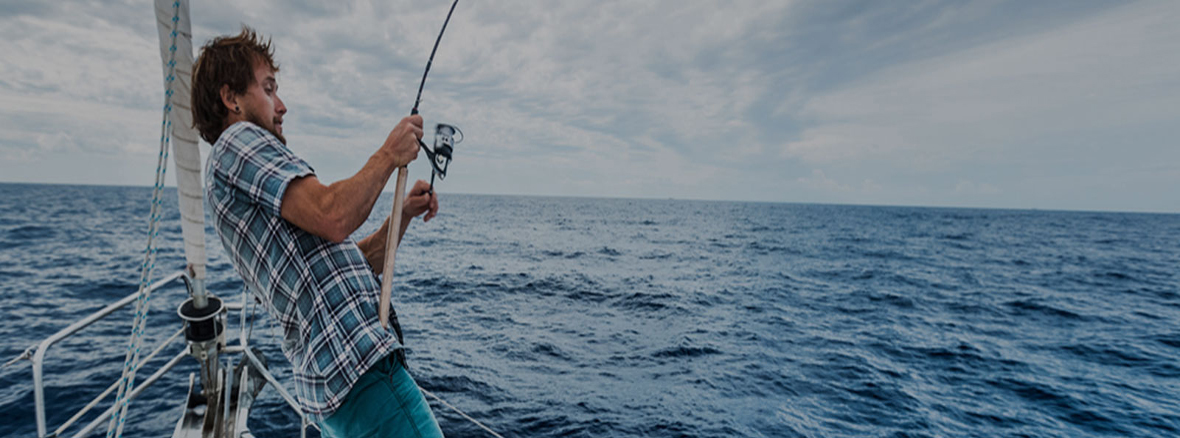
<point x="402" y="143"/>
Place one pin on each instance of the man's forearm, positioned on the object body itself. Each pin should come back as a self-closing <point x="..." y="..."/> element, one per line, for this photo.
<point x="373" y="246"/>
<point x="335" y="211"/>
<point x="354" y="197"/>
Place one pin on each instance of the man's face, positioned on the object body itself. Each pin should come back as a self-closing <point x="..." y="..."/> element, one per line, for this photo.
<point x="261" y="102"/>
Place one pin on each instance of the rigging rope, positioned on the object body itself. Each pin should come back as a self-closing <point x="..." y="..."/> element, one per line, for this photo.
<point x="468" y="417"/>
<point x="131" y="362"/>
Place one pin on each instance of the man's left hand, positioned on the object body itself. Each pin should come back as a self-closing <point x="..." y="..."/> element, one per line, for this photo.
<point x="420" y="200"/>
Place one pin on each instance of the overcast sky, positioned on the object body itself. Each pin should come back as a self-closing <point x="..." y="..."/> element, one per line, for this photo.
<point x="1050" y="105"/>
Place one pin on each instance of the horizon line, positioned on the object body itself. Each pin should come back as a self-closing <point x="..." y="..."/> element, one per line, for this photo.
<point x="671" y="198"/>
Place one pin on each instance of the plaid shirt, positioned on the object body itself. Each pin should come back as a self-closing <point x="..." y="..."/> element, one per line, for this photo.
<point x="324" y="295"/>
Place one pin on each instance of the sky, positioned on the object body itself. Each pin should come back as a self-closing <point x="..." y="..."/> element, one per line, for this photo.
<point x="1000" y="104"/>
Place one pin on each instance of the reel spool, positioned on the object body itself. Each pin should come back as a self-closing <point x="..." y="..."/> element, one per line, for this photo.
<point x="445" y="138"/>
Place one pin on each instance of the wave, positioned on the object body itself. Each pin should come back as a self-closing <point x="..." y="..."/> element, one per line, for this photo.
<point x="645" y="302"/>
<point x="573" y="255"/>
<point x="962" y="236"/>
<point x="1037" y="307"/>
<point x="27" y="235"/>
<point x="685" y="352"/>
<point x="459" y="384"/>
<point x="656" y="255"/>
<point x="1107" y="354"/>
<point x="609" y="252"/>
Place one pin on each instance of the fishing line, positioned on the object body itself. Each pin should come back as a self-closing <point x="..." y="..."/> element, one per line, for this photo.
<point x="418" y="100"/>
<point x="444" y="134"/>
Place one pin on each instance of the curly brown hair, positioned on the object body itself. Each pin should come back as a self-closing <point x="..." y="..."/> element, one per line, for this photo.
<point x="226" y="60"/>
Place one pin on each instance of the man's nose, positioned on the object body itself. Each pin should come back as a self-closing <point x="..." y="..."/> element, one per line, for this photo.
<point x="279" y="107"/>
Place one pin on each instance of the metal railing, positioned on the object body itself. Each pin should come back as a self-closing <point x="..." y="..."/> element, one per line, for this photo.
<point x="36" y="354"/>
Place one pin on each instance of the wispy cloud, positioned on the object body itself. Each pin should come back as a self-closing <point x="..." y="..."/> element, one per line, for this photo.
<point x="945" y="103"/>
<point x="1066" y="102"/>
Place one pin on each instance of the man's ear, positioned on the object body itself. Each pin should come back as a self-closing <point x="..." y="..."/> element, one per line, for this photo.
<point x="228" y="98"/>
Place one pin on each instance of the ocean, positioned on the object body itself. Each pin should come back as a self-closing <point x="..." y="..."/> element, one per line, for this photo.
<point x="580" y="317"/>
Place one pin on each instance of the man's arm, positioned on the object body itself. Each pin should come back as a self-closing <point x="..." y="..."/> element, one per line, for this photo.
<point x="335" y="211"/>
<point x="419" y="200"/>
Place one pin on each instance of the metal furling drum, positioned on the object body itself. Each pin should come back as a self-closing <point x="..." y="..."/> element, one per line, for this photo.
<point x="445" y="138"/>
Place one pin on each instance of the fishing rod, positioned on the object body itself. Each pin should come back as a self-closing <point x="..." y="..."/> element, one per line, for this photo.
<point x="440" y="159"/>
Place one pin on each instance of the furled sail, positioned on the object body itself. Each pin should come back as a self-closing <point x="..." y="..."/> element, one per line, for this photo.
<point x="185" y="151"/>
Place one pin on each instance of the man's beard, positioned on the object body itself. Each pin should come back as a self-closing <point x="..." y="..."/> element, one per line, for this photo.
<point x="255" y="119"/>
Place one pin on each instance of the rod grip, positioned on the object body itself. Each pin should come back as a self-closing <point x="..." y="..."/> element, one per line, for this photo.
<point x="391" y="242"/>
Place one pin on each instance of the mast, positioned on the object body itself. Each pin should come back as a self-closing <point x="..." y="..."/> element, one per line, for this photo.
<point x="186" y="152"/>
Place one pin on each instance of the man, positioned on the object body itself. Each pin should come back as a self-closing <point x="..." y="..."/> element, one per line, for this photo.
<point x="287" y="235"/>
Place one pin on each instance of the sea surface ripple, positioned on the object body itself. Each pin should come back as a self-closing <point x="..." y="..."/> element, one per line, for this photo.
<point x="620" y="317"/>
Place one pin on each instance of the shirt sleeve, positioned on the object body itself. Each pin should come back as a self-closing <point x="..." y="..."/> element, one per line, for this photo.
<point x="260" y="167"/>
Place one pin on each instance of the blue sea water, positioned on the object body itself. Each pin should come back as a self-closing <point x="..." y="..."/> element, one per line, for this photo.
<point x="618" y="317"/>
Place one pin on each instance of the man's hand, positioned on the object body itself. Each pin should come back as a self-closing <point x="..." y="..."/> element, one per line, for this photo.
<point x="420" y="200"/>
<point x="402" y="143"/>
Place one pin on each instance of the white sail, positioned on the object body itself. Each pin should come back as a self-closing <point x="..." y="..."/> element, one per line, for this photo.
<point x="185" y="150"/>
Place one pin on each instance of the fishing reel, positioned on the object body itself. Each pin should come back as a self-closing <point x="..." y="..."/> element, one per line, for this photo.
<point x="445" y="138"/>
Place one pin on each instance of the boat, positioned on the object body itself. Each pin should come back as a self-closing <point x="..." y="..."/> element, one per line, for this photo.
<point x="232" y="373"/>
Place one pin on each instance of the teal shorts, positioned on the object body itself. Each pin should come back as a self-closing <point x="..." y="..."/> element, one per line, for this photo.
<point x="385" y="402"/>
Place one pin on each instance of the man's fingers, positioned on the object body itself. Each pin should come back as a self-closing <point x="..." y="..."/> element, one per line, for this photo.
<point x="419" y="188"/>
<point x="420" y="200"/>
<point x="433" y="206"/>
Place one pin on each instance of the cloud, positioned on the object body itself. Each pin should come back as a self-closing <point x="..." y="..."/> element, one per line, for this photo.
<point x="1068" y="104"/>
<point x="611" y="84"/>
<point x="818" y="180"/>
<point x="972" y="188"/>
<point x="996" y="102"/>
<point x="57" y="142"/>
<point x="46" y="57"/>
<point x="935" y="103"/>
